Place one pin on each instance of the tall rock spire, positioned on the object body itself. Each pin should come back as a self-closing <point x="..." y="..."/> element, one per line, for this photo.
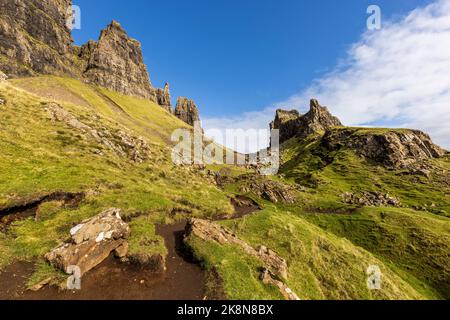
<point x="187" y="111"/>
<point x="116" y="63"/>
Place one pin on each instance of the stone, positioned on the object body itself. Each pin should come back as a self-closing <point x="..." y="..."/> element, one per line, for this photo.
<point x="187" y="111"/>
<point x="91" y="242"/>
<point x="286" y="122"/>
<point x="121" y="251"/>
<point x="36" y="39"/>
<point x="269" y="279"/>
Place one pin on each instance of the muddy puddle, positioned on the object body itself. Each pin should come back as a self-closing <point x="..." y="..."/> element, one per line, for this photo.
<point x="113" y="280"/>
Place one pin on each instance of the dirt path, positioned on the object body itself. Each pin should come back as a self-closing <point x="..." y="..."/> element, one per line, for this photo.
<point x="112" y="280"/>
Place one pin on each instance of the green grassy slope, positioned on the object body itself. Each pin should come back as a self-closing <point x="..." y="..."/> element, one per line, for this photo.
<point x="40" y="157"/>
<point x="328" y="244"/>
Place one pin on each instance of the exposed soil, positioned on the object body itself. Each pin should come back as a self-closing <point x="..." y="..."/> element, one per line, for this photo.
<point x="29" y="208"/>
<point x="113" y="280"/>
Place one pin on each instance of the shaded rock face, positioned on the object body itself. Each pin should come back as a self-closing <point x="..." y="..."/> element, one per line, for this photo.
<point x="91" y="242"/>
<point x="287" y="123"/>
<point x="391" y="148"/>
<point x="291" y="123"/>
<point x="163" y="98"/>
<point x="187" y="111"/>
<point x="116" y="63"/>
<point x="34" y="37"/>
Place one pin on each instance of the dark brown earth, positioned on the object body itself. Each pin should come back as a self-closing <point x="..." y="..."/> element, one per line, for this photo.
<point x="113" y="280"/>
<point x="29" y="208"/>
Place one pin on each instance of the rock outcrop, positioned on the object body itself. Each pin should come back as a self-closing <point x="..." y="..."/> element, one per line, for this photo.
<point x="273" y="191"/>
<point x="291" y="123"/>
<point x="163" y="98"/>
<point x="371" y="199"/>
<point x="396" y="148"/>
<point x="91" y="242"/>
<point x="286" y="122"/>
<point x="116" y="63"/>
<point x="34" y="37"/>
<point x="187" y="111"/>
<point x="275" y="267"/>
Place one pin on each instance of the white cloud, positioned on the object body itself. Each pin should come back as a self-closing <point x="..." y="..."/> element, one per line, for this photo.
<point x="398" y="76"/>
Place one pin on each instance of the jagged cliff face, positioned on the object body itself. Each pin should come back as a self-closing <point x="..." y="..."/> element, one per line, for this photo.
<point x="317" y="120"/>
<point x="34" y="37"/>
<point x="116" y="63"/>
<point x="286" y="122"/>
<point x="187" y="111"/>
<point x="291" y="123"/>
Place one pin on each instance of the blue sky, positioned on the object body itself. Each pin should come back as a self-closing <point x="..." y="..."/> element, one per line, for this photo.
<point x="240" y="59"/>
<point x="236" y="55"/>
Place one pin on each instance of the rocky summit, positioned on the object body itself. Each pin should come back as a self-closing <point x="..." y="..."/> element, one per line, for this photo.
<point x="115" y="62"/>
<point x="292" y="123"/>
<point x="35" y="39"/>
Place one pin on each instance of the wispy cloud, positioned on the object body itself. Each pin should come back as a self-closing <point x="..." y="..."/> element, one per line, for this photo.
<point x="398" y="76"/>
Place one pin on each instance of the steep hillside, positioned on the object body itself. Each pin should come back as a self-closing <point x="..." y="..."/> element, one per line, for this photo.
<point x="112" y="149"/>
<point x="87" y="180"/>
